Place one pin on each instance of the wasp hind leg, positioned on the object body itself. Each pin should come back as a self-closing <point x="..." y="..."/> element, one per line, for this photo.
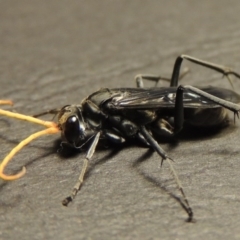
<point x="179" y="108"/>
<point x="226" y="71"/>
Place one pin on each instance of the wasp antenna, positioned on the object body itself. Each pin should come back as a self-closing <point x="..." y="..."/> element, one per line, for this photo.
<point x="24" y="142"/>
<point x="6" y="102"/>
<point x="28" y="118"/>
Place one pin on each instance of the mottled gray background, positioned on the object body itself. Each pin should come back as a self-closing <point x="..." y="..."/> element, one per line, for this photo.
<point x="54" y="53"/>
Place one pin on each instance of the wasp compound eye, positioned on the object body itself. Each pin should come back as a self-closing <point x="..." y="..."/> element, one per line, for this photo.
<point x="72" y="129"/>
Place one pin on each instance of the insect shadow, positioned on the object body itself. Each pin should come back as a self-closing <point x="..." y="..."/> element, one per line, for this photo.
<point x="156" y="182"/>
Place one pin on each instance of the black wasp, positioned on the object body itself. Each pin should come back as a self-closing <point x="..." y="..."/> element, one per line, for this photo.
<point x="124" y="114"/>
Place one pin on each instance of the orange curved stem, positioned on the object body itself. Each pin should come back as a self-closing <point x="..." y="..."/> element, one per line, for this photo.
<point x="27" y="118"/>
<point x="6" y="102"/>
<point x="6" y="160"/>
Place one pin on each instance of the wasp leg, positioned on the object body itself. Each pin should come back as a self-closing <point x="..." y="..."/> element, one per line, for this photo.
<point x="226" y="104"/>
<point x="140" y="77"/>
<point x="52" y="111"/>
<point x="142" y="139"/>
<point x="179" y="108"/>
<point x="163" y="128"/>
<point x="113" y="136"/>
<point x="79" y="182"/>
<point x="154" y="144"/>
<point x="226" y="71"/>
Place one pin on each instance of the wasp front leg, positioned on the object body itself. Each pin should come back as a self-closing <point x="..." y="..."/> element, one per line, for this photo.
<point x="52" y="111"/>
<point x="80" y="180"/>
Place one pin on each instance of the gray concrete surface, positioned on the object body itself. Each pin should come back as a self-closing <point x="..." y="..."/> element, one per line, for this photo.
<point x="54" y="53"/>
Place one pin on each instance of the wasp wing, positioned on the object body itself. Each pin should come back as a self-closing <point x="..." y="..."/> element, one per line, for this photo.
<point x="153" y="98"/>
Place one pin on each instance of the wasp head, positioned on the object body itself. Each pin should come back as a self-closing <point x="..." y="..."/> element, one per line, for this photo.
<point x="72" y="124"/>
